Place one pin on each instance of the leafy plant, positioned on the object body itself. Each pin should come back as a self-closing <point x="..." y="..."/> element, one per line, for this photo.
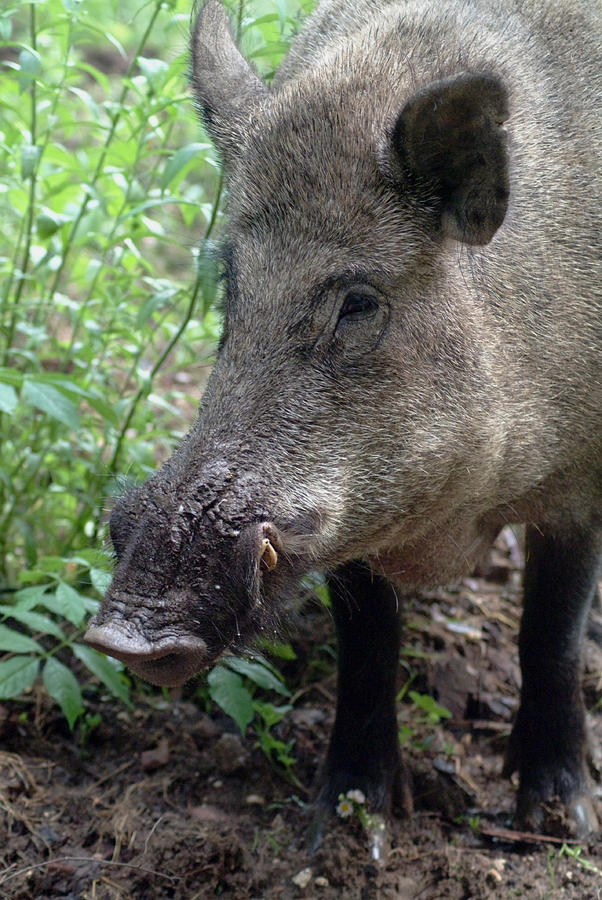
<point x="424" y="715"/>
<point x="232" y="685"/>
<point x="110" y="199"/>
<point x="38" y="609"/>
<point x="576" y="853"/>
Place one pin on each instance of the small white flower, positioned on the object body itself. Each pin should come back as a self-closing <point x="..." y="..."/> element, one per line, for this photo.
<point x="344" y="808"/>
<point x="356" y="796"/>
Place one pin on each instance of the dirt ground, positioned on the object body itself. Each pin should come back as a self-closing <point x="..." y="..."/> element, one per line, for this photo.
<point x="167" y="801"/>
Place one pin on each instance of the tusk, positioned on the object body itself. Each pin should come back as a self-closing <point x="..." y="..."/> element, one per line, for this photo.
<point x="269" y="557"/>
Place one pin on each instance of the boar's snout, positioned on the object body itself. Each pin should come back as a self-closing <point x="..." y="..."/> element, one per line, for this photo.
<point x="167" y="661"/>
<point x="155" y="630"/>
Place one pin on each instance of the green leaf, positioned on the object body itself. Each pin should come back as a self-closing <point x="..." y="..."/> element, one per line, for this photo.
<point x="29" y="597"/>
<point x="154" y="302"/>
<point x="177" y="162"/>
<point x="51" y="401"/>
<point x="271" y="714"/>
<point x="429" y="706"/>
<point x="154" y="70"/>
<point x="258" y="674"/>
<point x="30" y="155"/>
<point x="30" y="64"/>
<point x="17" y="675"/>
<point x="107" y="670"/>
<point x="207" y="272"/>
<point x="6" y="29"/>
<point x="150" y="204"/>
<point x="15" y="642"/>
<point x="68" y="603"/>
<point x="100" y="580"/>
<point x="104" y="409"/>
<point x="281" y="651"/>
<point x="92" y="605"/>
<point x="93" y="558"/>
<point x="62" y="685"/>
<point x="34" y="621"/>
<point x="8" y="398"/>
<point x="275" y="49"/>
<point x="11" y="376"/>
<point x="282" y="7"/>
<point x="49" y="222"/>
<point x="227" y="690"/>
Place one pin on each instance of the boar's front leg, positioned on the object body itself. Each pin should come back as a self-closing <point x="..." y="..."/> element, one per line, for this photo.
<point x="548" y="746"/>
<point x="364" y="748"/>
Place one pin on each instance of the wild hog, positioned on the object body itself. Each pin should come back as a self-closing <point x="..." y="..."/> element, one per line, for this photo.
<point x="410" y="360"/>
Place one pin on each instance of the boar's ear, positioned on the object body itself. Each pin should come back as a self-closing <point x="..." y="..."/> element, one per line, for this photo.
<point x="224" y="84"/>
<point x="452" y="143"/>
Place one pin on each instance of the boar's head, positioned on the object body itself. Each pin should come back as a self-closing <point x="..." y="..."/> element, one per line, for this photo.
<point x="349" y="412"/>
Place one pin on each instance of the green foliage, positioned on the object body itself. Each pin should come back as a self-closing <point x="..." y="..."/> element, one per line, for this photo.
<point x="233" y="686"/>
<point x="424" y="715"/>
<point x="576" y="853"/>
<point x="110" y="204"/>
<point x="433" y="712"/>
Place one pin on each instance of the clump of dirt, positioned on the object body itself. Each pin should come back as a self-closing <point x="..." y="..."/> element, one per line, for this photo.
<point x="165" y="801"/>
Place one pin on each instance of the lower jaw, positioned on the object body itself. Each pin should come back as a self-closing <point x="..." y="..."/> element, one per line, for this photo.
<point x="164" y="674"/>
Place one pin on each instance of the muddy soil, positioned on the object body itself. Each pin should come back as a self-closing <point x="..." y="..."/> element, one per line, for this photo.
<point x="168" y="801"/>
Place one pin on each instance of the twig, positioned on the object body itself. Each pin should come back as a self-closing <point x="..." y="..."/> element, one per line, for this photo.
<point x="529" y="837"/>
<point x="111" y="774"/>
<point x="86" y="859"/>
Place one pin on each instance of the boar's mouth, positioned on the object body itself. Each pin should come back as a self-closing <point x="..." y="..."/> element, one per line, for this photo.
<point x="168" y="662"/>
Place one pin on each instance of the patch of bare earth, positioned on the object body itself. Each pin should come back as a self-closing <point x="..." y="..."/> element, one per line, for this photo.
<point x="164" y="801"/>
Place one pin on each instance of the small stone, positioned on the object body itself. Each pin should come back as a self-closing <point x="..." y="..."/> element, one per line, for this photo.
<point x="493" y="877"/>
<point x="321" y="881"/>
<point x="218" y="783"/>
<point x="204" y="729"/>
<point x="302" y="878"/>
<point x="255" y="800"/>
<point x="154" y="759"/>
<point x="206" y="813"/>
<point x="229" y="754"/>
<point x="307" y="716"/>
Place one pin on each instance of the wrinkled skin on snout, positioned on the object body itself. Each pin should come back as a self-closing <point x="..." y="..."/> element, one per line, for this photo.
<point x="398" y="375"/>
<point x="200" y="570"/>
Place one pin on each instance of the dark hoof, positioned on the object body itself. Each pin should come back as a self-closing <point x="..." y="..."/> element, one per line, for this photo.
<point x="553" y="795"/>
<point x="556" y="817"/>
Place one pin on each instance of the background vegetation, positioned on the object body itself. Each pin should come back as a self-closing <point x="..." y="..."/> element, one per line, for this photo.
<point x="110" y="204"/>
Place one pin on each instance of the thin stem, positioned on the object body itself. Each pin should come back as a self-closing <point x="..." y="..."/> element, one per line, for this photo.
<point x="14" y="264"/>
<point x="241" y="7"/>
<point x="32" y="199"/>
<point x="105" y="149"/>
<point x="49" y="134"/>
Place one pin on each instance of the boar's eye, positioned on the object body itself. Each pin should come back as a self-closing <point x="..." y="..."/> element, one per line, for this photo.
<point x="358" y="304"/>
<point x="357" y="321"/>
